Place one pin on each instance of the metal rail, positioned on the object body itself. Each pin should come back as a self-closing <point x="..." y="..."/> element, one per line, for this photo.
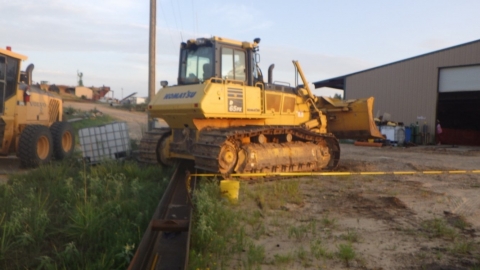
<point x="165" y="243"/>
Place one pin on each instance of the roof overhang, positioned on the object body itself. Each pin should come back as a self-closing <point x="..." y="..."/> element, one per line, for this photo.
<point x="338" y="83"/>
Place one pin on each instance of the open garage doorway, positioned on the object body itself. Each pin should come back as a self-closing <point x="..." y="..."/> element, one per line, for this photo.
<point x="458" y="105"/>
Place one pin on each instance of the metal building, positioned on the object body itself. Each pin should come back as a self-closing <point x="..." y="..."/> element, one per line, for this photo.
<point x="443" y="84"/>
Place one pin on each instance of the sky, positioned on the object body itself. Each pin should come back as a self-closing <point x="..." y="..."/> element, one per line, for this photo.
<point x="107" y="40"/>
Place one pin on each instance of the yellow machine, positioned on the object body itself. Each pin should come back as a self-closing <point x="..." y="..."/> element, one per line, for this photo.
<point x="30" y="118"/>
<point x="225" y="117"/>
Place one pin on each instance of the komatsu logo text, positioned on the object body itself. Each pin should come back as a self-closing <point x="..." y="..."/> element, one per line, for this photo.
<point x="187" y="94"/>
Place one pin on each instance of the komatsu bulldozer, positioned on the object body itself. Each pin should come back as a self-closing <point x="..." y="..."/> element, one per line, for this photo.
<point x="30" y="118"/>
<point x="223" y="115"/>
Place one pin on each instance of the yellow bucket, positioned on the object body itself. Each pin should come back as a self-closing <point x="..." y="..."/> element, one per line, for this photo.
<point x="230" y="189"/>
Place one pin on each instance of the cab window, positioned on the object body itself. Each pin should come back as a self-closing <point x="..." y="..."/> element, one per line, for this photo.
<point x="196" y="65"/>
<point x="2" y="68"/>
<point x="11" y="76"/>
<point x="233" y="64"/>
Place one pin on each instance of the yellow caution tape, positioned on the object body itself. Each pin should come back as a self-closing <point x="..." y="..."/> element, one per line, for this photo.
<point x="296" y="174"/>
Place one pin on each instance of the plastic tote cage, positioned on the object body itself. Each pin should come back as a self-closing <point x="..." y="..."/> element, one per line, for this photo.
<point x="105" y="142"/>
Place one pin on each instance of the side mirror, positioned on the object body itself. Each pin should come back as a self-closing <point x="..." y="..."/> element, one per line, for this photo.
<point x="164" y="83"/>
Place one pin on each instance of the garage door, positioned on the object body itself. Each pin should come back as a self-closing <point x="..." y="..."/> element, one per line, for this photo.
<point x="459" y="79"/>
<point x="459" y="105"/>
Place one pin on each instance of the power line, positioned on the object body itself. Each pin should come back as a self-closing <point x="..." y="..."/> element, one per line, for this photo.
<point x="166" y="22"/>
<point x="180" y="16"/>
<point x="195" y="30"/>
<point x="174" y="15"/>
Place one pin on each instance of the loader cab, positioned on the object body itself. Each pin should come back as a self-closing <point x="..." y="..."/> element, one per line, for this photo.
<point x="9" y="75"/>
<point x="206" y="58"/>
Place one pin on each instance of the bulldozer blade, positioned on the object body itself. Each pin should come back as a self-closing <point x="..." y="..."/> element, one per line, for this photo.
<point x="351" y="119"/>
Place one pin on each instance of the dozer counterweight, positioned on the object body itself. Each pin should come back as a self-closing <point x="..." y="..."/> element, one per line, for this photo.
<point x="225" y="117"/>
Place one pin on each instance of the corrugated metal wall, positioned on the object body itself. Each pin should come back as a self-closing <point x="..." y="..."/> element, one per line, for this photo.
<point x="409" y="89"/>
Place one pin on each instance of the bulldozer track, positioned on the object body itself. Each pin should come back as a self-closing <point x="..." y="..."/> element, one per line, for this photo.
<point x="211" y="142"/>
<point x="215" y="143"/>
<point x="165" y="243"/>
<point x="149" y="144"/>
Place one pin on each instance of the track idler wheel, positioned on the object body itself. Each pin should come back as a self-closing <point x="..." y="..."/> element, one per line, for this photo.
<point x="227" y="159"/>
<point x="162" y="152"/>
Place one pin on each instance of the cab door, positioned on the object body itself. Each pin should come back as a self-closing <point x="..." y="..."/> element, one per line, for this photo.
<point x="233" y="72"/>
<point x="2" y="84"/>
<point x="241" y="99"/>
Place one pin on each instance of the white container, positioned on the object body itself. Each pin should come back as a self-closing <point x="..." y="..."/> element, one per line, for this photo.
<point x="389" y="132"/>
<point x="109" y="141"/>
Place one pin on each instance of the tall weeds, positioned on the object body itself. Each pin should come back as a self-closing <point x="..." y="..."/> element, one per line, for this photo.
<point x="71" y="216"/>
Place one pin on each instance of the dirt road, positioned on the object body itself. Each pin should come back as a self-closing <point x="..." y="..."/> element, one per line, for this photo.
<point x="136" y="121"/>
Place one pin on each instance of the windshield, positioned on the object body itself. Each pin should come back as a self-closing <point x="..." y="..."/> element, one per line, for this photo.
<point x="196" y="65"/>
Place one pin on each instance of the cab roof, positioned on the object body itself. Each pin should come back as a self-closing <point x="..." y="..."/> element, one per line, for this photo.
<point x="13" y="54"/>
<point x="243" y="44"/>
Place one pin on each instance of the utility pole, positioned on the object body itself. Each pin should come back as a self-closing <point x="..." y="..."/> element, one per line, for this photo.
<point x="152" y="56"/>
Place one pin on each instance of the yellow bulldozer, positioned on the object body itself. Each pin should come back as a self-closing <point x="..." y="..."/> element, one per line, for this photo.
<point x="30" y="118"/>
<point x="223" y="115"/>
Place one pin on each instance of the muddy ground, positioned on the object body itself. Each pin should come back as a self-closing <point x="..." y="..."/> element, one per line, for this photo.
<point x="391" y="221"/>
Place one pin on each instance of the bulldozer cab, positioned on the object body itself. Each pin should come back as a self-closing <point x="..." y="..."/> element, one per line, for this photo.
<point x="203" y="59"/>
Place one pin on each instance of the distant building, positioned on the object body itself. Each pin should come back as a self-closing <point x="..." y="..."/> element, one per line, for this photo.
<point x="443" y="84"/>
<point x="100" y="92"/>
<point x="81" y="91"/>
<point x="132" y="99"/>
<point x="138" y="100"/>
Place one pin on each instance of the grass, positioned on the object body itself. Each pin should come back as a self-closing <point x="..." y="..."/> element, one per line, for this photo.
<point x="462" y="246"/>
<point x="346" y="253"/>
<point x="89" y="120"/>
<point x="439" y="228"/>
<point x="280" y="259"/>
<point x="277" y="194"/>
<point x="302" y="231"/>
<point x="351" y="236"/>
<point x="318" y="250"/>
<point x="255" y="255"/>
<point x="70" y="216"/>
<point x="213" y="217"/>
<point x="243" y="227"/>
<point x="328" y="222"/>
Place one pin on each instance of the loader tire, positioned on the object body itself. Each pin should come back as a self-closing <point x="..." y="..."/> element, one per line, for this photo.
<point x="63" y="139"/>
<point x="35" y="146"/>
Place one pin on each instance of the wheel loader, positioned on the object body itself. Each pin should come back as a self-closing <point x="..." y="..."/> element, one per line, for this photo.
<point x="226" y="117"/>
<point x="30" y="118"/>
